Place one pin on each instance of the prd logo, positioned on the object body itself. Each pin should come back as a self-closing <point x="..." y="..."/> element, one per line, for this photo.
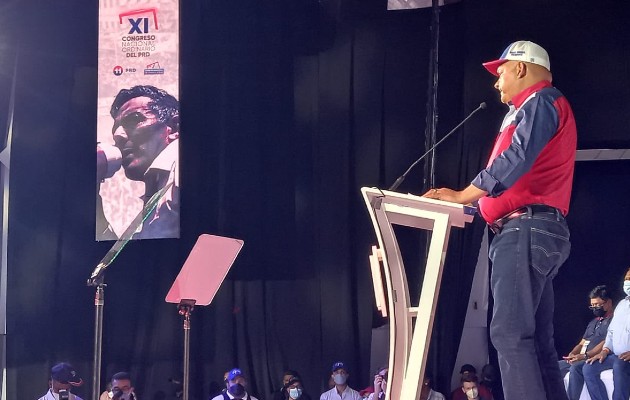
<point x="139" y="25"/>
<point x="118" y="70"/>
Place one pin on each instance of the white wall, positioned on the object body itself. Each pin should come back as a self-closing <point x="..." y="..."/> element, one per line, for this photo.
<point x="473" y="347"/>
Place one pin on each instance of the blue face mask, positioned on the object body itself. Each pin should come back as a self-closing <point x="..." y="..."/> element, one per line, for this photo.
<point x="237" y="390"/>
<point x="295" y="393"/>
<point x="626" y="287"/>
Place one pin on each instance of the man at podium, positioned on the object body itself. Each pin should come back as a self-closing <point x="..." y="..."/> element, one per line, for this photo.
<point x="524" y="194"/>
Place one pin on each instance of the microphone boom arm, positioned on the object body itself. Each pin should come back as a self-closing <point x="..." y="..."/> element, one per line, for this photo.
<point x="402" y="177"/>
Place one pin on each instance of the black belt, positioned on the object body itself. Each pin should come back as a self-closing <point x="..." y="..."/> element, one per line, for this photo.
<point x="528" y="210"/>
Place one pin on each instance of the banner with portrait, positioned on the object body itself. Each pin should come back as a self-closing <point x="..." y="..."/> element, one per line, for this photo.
<point x="137" y="148"/>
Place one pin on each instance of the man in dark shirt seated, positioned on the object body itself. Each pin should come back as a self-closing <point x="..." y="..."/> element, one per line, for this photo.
<point x="591" y="343"/>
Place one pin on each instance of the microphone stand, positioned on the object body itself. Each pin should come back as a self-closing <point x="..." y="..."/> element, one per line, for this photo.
<point x="185" y="308"/>
<point x="402" y="177"/>
<point x="97" y="279"/>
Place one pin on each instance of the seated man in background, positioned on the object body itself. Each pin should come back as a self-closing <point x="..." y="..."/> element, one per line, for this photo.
<point x="341" y="390"/>
<point x="120" y="388"/>
<point x="468" y="371"/>
<point x="63" y="378"/>
<point x="294" y="390"/>
<point x="235" y="385"/>
<point x="491" y="380"/>
<point x="592" y="341"/>
<point x="470" y="388"/>
<point x="615" y="354"/>
<point x="426" y="393"/>
<point x="380" y="384"/>
<point x="286" y="377"/>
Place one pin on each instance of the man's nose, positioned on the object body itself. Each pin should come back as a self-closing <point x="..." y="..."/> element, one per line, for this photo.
<point x="496" y="85"/>
<point x="120" y="136"/>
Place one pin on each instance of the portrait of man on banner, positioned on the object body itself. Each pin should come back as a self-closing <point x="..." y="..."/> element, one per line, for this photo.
<point x="145" y="136"/>
<point x="137" y="127"/>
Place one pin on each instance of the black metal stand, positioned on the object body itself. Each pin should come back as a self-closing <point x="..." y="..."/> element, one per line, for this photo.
<point x="99" y="303"/>
<point x="97" y="279"/>
<point x="185" y="308"/>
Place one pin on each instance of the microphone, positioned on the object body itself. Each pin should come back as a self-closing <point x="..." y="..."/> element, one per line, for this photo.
<point x="402" y="177"/>
<point x="108" y="161"/>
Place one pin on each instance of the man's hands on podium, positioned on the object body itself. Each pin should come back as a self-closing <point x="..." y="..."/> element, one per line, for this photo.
<point x="466" y="196"/>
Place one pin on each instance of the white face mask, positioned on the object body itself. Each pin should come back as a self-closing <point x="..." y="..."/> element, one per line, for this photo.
<point x="125" y="396"/>
<point x="339" y="379"/>
<point x="626" y="287"/>
<point x="56" y="395"/>
<point x="295" y="393"/>
<point x="472" y="393"/>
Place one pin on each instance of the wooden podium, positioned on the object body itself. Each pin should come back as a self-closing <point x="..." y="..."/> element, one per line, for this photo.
<point x="409" y="342"/>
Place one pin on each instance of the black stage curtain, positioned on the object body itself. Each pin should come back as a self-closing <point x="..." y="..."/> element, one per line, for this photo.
<point x="288" y="108"/>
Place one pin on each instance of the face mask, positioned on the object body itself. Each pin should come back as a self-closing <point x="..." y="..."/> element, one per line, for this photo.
<point x="120" y="395"/>
<point x="339" y="379"/>
<point x="599" y="311"/>
<point x="295" y="393"/>
<point x="237" y="390"/>
<point x="626" y="287"/>
<point x="472" y="393"/>
<point x="65" y="396"/>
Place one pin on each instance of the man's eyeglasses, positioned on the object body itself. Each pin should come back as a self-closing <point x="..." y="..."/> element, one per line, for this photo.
<point x="596" y="306"/>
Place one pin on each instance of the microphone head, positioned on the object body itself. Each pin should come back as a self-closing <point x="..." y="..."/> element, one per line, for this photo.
<point x="483" y="105"/>
<point x="108" y="161"/>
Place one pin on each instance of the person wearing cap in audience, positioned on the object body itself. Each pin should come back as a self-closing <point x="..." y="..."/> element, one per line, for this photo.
<point x="341" y="391"/>
<point x="592" y="342"/>
<point x="294" y="390"/>
<point x="524" y="194"/>
<point x="235" y="384"/>
<point x="615" y="354"/>
<point x="63" y="377"/>
<point x="490" y="381"/>
<point x="469" y="371"/>
<point x="470" y="388"/>
<point x="120" y="388"/>
<point x="286" y="377"/>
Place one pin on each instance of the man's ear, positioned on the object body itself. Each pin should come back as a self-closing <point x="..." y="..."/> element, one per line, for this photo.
<point x="521" y="70"/>
<point x="173" y="128"/>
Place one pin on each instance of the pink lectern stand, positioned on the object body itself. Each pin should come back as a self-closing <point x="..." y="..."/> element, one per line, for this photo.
<point x="199" y="280"/>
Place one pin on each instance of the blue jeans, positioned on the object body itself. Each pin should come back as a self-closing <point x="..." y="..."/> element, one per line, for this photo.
<point x="576" y="379"/>
<point x="526" y="255"/>
<point x="621" y="378"/>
